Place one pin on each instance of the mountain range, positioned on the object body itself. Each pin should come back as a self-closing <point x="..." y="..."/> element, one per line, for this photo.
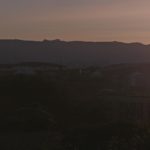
<point x="73" y="53"/>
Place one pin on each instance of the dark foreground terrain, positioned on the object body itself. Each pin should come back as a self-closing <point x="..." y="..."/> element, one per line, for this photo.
<point x="75" y="110"/>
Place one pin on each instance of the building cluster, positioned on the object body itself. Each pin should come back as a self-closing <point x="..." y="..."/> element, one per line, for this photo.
<point x="30" y="69"/>
<point x="128" y="79"/>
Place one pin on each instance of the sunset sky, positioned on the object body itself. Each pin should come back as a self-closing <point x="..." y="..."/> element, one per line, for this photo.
<point x="88" y="20"/>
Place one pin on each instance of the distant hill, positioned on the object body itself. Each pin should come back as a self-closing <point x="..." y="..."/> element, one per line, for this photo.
<point x="74" y="53"/>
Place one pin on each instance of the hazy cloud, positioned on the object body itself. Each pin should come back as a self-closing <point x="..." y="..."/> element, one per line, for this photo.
<point x="75" y="20"/>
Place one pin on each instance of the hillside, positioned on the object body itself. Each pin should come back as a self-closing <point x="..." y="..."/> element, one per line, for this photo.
<point x="73" y="53"/>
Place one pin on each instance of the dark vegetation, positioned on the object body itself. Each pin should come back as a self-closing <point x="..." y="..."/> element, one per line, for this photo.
<point x="65" y="113"/>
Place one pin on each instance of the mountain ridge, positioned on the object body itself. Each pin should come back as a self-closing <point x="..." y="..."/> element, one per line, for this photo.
<point x="73" y="53"/>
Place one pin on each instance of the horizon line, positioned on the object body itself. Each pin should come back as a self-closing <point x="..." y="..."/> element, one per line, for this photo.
<point x="61" y="40"/>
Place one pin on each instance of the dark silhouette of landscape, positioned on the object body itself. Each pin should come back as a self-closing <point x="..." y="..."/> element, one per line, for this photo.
<point x="59" y="95"/>
<point x="73" y="53"/>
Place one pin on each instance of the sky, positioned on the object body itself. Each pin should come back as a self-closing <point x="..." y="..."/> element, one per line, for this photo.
<point x="86" y="20"/>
